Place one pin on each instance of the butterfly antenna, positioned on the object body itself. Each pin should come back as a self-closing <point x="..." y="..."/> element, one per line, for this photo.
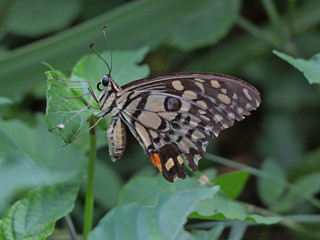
<point x="92" y="48"/>
<point x="105" y="36"/>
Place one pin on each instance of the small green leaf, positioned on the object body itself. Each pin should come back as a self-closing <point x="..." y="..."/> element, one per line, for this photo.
<point x="309" y="163"/>
<point x="223" y="208"/>
<point x="310" y="68"/>
<point x="61" y="102"/>
<point x="300" y="190"/>
<point x="162" y="220"/>
<point x="34" y="216"/>
<point x="232" y="183"/>
<point x="270" y="189"/>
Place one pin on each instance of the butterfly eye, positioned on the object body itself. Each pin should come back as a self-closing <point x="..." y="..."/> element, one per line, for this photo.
<point x="105" y="81"/>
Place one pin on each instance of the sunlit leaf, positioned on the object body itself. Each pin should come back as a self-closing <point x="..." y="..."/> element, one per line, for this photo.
<point x="310" y="68"/>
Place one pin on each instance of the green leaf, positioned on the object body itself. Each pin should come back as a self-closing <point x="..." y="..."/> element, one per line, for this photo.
<point x="145" y="190"/>
<point x="5" y="101"/>
<point x="232" y="183"/>
<point x="34" y="157"/>
<point x="162" y="220"/>
<point x="133" y="25"/>
<point x="213" y="234"/>
<point x="34" y="216"/>
<point x="60" y="107"/>
<point x="43" y="18"/>
<point x="300" y="190"/>
<point x="270" y="189"/>
<point x="308" y="163"/>
<point x="309" y="68"/>
<point x="223" y="208"/>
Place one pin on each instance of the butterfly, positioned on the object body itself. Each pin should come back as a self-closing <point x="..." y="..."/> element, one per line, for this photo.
<point x="173" y="116"/>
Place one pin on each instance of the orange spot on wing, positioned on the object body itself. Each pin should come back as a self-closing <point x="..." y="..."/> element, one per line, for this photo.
<point x="156" y="161"/>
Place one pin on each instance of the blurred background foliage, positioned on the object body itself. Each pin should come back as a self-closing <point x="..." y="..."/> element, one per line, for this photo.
<point x="227" y="36"/>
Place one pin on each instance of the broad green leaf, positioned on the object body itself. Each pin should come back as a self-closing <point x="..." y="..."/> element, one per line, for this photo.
<point x="309" y="163"/>
<point x="43" y="18"/>
<point x="60" y="107"/>
<point x="223" y="208"/>
<point x="133" y="25"/>
<point x="310" y="68"/>
<point x="232" y="183"/>
<point x="270" y="189"/>
<point x="34" y="216"/>
<point x="161" y="220"/>
<point x="34" y="157"/>
<point x="300" y="190"/>
<point x="146" y="190"/>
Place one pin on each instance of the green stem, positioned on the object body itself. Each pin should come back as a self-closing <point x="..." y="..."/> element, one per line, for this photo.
<point x="89" y="201"/>
<point x="256" y="31"/>
<point x="273" y="15"/>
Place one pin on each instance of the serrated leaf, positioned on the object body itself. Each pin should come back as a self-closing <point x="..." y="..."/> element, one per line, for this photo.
<point x="310" y="68"/>
<point x="232" y="183"/>
<point x="163" y="220"/>
<point x="89" y="69"/>
<point x="223" y="208"/>
<point x="34" y="216"/>
<point x="270" y="190"/>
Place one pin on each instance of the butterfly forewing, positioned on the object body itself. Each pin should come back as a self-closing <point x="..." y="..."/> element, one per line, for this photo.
<point x="176" y="115"/>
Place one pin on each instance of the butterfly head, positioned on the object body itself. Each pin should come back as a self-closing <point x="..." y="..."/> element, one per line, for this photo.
<point x="105" y="82"/>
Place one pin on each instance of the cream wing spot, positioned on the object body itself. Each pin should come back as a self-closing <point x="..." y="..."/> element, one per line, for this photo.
<point x="180" y="160"/>
<point x="197" y="135"/>
<point x="154" y="134"/>
<point x="224" y="91"/>
<point x="202" y="104"/>
<point x="177" y="85"/>
<point x="215" y="84"/>
<point x="169" y="164"/>
<point x="199" y="79"/>
<point x="218" y="118"/>
<point x="246" y="93"/>
<point x="143" y="134"/>
<point x="189" y="94"/>
<point x="200" y="85"/>
<point x="150" y="119"/>
<point x="224" y="98"/>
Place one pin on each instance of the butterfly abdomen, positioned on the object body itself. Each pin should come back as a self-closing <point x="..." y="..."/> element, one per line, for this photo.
<point x="116" y="138"/>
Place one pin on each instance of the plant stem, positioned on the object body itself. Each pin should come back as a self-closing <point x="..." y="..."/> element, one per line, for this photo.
<point x="89" y="201"/>
<point x="273" y="15"/>
<point x="256" y="31"/>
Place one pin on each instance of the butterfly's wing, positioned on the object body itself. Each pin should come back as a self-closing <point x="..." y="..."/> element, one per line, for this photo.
<point x="176" y="115"/>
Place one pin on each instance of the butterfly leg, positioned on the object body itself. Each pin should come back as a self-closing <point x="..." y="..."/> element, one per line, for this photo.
<point x="89" y="87"/>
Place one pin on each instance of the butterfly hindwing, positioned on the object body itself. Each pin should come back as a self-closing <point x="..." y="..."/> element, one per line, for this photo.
<point x="176" y="115"/>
